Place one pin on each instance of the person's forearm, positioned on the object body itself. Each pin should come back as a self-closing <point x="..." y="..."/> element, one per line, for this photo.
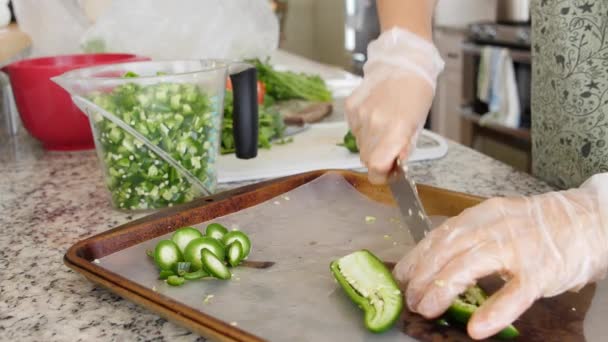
<point x="413" y="15"/>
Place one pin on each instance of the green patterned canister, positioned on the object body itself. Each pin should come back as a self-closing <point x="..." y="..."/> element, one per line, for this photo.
<point x="569" y="90"/>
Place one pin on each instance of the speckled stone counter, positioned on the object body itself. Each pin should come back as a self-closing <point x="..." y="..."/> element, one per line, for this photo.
<point x="49" y="201"/>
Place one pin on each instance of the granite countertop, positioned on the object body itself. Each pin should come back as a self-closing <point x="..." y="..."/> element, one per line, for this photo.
<point x="50" y="200"/>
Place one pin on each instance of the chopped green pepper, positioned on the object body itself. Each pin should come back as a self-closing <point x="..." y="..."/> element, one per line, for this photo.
<point x="192" y="253"/>
<point x="465" y="305"/>
<point x="371" y="286"/>
<point x="442" y="322"/>
<point x="167" y="255"/>
<point x="214" y="265"/>
<point x="164" y="274"/>
<point x="350" y="142"/>
<point x="196" y="275"/>
<point x="182" y="268"/>
<point x="270" y="126"/>
<point x="235" y="253"/>
<point x="180" y="119"/>
<point x="202" y="256"/>
<point x="216" y="231"/>
<point x="175" y="280"/>
<point x="237" y="235"/>
<point x="183" y="236"/>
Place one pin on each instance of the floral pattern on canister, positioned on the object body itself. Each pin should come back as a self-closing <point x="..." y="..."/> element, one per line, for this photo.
<point x="569" y="90"/>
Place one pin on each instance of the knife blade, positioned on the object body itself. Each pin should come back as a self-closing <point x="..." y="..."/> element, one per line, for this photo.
<point x="404" y="191"/>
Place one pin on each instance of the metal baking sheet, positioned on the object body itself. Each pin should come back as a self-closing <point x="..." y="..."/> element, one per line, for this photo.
<point x="296" y="299"/>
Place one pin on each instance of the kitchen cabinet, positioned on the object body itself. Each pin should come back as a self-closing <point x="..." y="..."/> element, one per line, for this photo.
<point x="445" y="112"/>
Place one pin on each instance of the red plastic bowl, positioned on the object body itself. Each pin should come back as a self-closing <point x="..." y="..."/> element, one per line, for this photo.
<point x="46" y="110"/>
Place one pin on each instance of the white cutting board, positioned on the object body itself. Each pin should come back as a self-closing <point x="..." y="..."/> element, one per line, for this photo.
<point x="313" y="149"/>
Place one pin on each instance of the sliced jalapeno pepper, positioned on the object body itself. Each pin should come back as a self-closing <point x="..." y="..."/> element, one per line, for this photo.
<point x="175" y="280"/>
<point x="235" y="253"/>
<point x="183" y="236"/>
<point x="465" y="305"/>
<point x="369" y="284"/>
<point x="216" y="231"/>
<point x="237" y="235"/>
<point x="192" y="253"/>
<point x="164" y="274"/>
<point x="214" y="265"/>
<point x="167" y="255"/>
<point x="182" y="268"/>
<point x="350" y="142"/>
<point x="196" y="275"/>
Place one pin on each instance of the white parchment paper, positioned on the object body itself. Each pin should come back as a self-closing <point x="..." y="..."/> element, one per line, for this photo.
<point x="296" y="299"/>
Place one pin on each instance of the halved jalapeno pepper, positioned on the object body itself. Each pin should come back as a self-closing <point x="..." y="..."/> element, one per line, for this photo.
<point x="369" y="284"/>
<point x="192" y="253"/>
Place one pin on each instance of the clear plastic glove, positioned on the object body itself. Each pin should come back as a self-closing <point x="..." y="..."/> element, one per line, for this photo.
<point x="542" y="246"/>
<point x="388" y="109"/>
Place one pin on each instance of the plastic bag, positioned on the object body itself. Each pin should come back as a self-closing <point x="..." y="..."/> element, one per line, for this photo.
<point x="54" y="26"/>
<point x="160" y="29"/>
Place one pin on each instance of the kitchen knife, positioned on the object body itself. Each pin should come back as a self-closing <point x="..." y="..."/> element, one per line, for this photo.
<point x="405" y="194"/>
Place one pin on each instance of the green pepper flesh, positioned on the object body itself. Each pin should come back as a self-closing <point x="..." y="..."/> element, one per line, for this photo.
<point x="215" y="266"/>
<point x="167" y="255"/>
<point x="465" y="305"/>
<point x="196" y="275"/>
<point x="181" y="119"/>
<point x="235" y="253"/>
<point x="350" y="142"/>
<point x="164" y="274"/>
<point x="237" y="235"/>
<point x="216" y="231"/>
<point x="175" y="280"/>
<point x="369" y="284"/>
<point x="194" y="248"/>
<point x="183" y="236"/>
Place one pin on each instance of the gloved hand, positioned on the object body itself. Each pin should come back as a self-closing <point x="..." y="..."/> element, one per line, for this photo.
<point x="542" y="246"/>
<point x="388" y="109"/>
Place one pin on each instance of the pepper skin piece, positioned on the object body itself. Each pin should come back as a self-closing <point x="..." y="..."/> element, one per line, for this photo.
<point x="371" y="286"/>
<point x="465" y="305"/>
<point x="350" y="142"/>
